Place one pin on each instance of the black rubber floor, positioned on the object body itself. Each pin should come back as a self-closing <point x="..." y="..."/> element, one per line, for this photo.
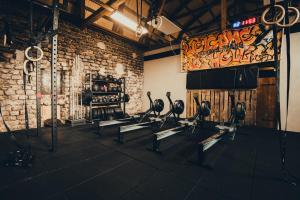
<point x="88" y="166"/>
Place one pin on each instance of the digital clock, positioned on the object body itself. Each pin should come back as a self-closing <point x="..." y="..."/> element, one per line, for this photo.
<point x="246" y="22"/>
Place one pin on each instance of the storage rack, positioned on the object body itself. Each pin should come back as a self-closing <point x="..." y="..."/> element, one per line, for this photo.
<point x="104" y="105"/>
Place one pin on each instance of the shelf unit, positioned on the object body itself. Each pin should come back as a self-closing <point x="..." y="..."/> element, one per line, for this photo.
<point x="89" y="82"/>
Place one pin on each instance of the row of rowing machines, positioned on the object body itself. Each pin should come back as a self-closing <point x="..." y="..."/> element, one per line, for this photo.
<point x="149" y="119"/>
<point x="194" y="125"/>
<point x="156" y="122"/>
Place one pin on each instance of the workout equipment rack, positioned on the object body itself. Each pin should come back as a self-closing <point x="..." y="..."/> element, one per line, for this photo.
<point x="106" y="108"/>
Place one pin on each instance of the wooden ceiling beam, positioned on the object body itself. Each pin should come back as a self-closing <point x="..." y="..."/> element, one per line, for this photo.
<point x="180" y="7"/>
<point x="224" y="9"/>
<point x="210" y="11"/>
<point x="199" y="10"/>
<point x="148" y="36"/>
<point x="193" y="20"/>
<point x="105" y="9"/>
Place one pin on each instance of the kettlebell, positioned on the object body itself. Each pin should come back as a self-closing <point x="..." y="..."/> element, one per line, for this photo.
<point x="95" y="87"/>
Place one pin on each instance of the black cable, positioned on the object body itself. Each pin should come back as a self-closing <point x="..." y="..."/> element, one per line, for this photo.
<point x="141" y="16"/>
<point x="137" y="11"/>
<point x="282" y="135"/>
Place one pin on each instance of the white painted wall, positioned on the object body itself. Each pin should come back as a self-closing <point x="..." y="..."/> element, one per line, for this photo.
<point x="294" y="102"/>
<point x="162" y="76"/>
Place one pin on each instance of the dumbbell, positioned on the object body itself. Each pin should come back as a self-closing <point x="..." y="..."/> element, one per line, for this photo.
<point x="100" y="99"/>
<point x="105" y="100"/>
<point x="87" y="76"/>
<point x="114" y="89"/>
<point x="95" y="87"/>
<point x="120" y="81"/>
<point x="94" y="76"/>
<point x="101" y="77"/>
<point x="119" y="89"/>
<point x="101" y="88"/>
<point x="112" y="99"/>
<point x="110" y="77"/>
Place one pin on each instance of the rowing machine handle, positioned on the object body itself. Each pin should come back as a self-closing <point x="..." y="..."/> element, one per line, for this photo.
<point x="196" y="99"/>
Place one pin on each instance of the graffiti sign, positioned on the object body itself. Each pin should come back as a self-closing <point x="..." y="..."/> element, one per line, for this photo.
<point x="230" y="48"/>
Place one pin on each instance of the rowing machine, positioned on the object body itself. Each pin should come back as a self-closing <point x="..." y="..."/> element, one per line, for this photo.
<point x="176" y="109"/>
<point x="155" y="108"/>
<point x="203" y="110"/>
<point x="238" y="114"/>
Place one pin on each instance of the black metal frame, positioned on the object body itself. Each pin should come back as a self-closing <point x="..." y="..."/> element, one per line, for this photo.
<point x="54" y="77"/>
<point x="35" y="39"/>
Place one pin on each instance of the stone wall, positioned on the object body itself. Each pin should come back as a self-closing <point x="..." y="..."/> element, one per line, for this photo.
<point x="99" y="51"/>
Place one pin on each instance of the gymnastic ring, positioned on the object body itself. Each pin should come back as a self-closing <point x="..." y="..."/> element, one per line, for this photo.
<point x="263" y="16"/>
<point x="34" y="59"/>
<point x="25" y="67"/>
<point x="292" y="23"/>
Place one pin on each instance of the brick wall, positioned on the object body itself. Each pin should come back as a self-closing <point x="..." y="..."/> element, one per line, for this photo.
<point x="71" y="41"/>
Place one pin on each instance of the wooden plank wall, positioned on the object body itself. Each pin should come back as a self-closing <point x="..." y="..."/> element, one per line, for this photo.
<point x="221" y="104"/>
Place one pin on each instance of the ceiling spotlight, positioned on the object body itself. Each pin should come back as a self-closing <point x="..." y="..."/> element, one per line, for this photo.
<point x="129" y="23"/>
<point x="156" y="22"/>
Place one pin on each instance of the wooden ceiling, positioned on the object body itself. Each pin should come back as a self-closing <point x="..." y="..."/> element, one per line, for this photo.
<point x="192" y="16"/>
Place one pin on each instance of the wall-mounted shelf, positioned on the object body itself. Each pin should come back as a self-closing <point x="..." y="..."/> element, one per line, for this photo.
<point x="107" y="103"/>
<point x="106" y="93"/>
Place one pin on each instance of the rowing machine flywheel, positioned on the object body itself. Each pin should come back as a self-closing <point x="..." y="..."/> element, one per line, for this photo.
<point x="204" y="108"/>
<point x="178" y="107"/>
<point x="158" y="105"/>
<point x="240" y="111"/>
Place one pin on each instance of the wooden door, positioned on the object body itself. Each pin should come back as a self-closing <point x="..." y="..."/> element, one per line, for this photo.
<point x="266" y="100"/>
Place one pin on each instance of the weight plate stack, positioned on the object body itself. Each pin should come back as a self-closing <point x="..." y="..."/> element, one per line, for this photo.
<point x="118" y="113"/>
<point x="126" y="98"/>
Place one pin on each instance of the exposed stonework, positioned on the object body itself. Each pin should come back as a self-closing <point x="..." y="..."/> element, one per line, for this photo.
<point x="71" y="41"/>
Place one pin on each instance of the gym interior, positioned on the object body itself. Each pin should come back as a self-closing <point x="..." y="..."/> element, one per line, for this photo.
<point x="149" y="99"/>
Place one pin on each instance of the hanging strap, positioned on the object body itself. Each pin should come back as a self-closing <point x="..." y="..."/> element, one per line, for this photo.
<point x="276" y="65"/>
<point x="25" y="102"/>
<point x="288" y="59"/>
<point x="11" y="134"/>
<point x="4" y="123"/>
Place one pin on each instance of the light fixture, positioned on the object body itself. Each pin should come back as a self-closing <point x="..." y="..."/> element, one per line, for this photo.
<point x="124" y="20"/>
<point x="156" y="22"/>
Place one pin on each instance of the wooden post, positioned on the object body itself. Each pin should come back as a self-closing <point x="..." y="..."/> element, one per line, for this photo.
<point x="223" y="14"/>
<point x="82" y="9"/>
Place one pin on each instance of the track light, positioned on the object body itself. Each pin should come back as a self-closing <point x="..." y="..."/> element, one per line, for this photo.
<point x="129" y="23"/>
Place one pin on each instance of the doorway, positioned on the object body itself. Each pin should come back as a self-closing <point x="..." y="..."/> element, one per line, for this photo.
<point x="266" y="101"/>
